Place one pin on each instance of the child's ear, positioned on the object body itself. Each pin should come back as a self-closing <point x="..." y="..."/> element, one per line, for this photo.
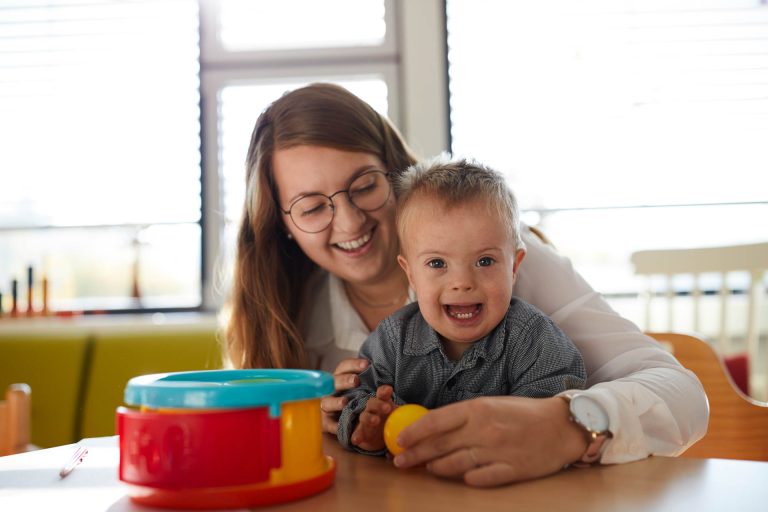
<point x="404" y="265"/>
<point x="519" y="255"/>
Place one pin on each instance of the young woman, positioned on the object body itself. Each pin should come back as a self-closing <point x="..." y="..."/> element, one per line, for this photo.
<point x="316" y="271"/>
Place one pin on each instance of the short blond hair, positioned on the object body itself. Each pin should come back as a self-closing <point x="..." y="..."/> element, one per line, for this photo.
<point x="456" y="182"/>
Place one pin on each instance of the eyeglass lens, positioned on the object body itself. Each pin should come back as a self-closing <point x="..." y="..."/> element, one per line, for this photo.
<point x="314" y="212"/>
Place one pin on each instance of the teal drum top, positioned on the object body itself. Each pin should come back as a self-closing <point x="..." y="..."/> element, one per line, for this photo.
<point x="227" y="388"/>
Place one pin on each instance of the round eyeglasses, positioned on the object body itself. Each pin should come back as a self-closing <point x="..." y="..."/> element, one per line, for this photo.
<point x="313" y="213"/>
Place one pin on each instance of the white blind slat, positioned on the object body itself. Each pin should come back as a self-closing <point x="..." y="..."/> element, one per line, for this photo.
<point x="107" y="94"/>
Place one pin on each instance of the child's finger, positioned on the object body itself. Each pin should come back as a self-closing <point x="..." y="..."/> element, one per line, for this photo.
<point x="369" y="419"/>
<point x="357" y="436"/>
<point x="385" y="392"/>
<point x="378" y="407"/>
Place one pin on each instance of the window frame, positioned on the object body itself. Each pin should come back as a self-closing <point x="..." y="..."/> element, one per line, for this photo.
<point x="221" y="68"/>
<point x="213" y="54"/>
<point x="212" y="83"/>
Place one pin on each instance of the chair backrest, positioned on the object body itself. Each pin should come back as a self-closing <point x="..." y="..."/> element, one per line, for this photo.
<point x="118" y="357"/>
<point x="752" y="260"/>
<point x="15" y="419"/>
<point x="738" y="424"/>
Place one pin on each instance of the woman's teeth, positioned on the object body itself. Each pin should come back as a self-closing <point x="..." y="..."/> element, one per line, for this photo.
<point x="351" y="245"/>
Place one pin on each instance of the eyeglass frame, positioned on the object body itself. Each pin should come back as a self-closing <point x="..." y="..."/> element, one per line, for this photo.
<point x="333" y="204"/>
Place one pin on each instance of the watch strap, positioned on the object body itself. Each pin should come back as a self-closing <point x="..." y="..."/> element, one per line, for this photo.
<point x="595" y="440"/>
<point x="593" y="451"/>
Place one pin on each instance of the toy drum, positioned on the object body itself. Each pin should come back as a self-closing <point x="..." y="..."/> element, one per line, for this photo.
<point x="224" y="438"/>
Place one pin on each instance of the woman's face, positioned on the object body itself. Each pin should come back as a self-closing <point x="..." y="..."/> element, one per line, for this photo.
<point x="359" y="247"/>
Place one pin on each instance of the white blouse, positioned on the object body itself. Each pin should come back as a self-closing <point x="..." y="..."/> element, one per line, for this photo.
<point x="655" y="405"/>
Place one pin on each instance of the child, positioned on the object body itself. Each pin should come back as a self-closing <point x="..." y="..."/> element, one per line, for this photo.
<point x="466" y="336"/>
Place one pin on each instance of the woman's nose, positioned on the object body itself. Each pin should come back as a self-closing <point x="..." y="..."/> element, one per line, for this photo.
<point x="347" y="217"/>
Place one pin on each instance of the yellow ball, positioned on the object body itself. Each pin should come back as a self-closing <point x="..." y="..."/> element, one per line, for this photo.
<point x="397" y="421"/>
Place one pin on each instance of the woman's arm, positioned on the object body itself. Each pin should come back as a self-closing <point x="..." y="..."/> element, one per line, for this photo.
<point x="655" y="405"/>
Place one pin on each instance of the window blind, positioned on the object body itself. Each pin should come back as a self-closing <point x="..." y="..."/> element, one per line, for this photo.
<point x="100" y="172"/>
<point x="99" y="112"/>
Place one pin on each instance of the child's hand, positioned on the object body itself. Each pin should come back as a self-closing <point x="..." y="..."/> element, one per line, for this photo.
<point x="369" y="433"/>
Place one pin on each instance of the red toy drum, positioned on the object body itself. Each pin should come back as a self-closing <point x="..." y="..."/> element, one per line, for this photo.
<point x="224" y="438"/>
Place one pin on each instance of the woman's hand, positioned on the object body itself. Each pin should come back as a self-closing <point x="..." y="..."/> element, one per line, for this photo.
<point x="344" y="378"/>
<point x="491" y="441"/>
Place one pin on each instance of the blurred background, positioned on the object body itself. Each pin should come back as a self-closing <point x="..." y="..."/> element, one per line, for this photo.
<point x="621" y="125"/>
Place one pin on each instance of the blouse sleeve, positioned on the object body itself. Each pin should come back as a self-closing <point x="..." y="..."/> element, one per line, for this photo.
<point x="655" y="405"/>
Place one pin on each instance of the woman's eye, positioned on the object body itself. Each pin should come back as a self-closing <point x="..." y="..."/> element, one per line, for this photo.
<point x="361" y="191"/>
<point x="311" y="205"/>
<point x="487" y="261"/>
<point x="436" y="263"/>
<point x="315" y="210"/>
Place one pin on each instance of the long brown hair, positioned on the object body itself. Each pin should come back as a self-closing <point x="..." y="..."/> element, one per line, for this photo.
<point x="268" y="300"/>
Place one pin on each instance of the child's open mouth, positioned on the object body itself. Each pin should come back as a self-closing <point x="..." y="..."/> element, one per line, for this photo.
<point x="463" y="312"/>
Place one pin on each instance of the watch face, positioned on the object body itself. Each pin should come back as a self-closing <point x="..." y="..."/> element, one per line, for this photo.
<point x="589" y="413"/>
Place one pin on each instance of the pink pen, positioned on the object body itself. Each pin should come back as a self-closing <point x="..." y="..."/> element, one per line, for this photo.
<point x="76" y="459"/>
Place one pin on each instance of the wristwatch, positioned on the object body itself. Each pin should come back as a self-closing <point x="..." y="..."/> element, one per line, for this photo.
<point x="590" y="416"/>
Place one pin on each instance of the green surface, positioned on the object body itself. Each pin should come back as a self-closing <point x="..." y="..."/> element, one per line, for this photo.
<point x="53" y="367"/>
<point x="78" y="381"/>
<point x="118" y="358"/>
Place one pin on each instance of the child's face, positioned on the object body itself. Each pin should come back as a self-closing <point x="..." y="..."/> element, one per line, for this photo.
<point x="461" y="262"/>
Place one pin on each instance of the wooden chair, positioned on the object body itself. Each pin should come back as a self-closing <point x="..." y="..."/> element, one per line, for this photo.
<point x="751" y="259"/>
<point x="738" y="424"/>
<point x="15" y="420"/>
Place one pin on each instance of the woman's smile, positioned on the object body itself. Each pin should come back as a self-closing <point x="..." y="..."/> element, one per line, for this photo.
<point x="355" y="245"/>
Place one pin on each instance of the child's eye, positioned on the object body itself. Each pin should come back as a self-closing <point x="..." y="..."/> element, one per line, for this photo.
<point x="436" y="263"/>
<point x="487" y="261"/>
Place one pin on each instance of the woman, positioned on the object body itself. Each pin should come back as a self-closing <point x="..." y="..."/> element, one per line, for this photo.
<point x="316" y="270"/>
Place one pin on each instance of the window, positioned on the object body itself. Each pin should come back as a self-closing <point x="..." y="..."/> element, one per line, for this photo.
<point x="99" y="118"/>
<point x="621" y="125"/>
<point x="100" y="114"/>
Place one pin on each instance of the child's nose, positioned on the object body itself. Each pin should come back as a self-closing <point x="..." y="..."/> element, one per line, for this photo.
<point x="462" y="280"/>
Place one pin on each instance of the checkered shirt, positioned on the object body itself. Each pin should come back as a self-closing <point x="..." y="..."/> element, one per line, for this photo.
<point x="525" y="355"/>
